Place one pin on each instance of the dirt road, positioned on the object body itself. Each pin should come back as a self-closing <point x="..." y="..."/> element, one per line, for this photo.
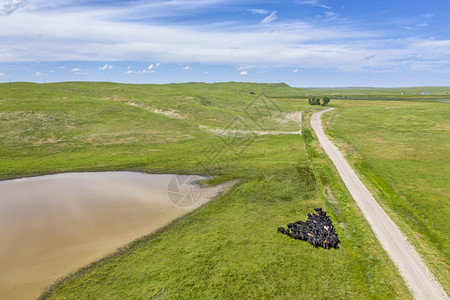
<point x="418" y="278"/>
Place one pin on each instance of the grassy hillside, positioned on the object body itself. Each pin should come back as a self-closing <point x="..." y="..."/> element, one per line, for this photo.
<point x="230" y="247"/>
<point x="93" y="126"/>
<point x="402" y="149"/>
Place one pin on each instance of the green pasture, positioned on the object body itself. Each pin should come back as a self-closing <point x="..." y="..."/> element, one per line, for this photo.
<point x="402" y="150"/>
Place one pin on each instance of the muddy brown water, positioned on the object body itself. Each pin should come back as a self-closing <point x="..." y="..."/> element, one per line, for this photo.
<point x="52" y="225"/>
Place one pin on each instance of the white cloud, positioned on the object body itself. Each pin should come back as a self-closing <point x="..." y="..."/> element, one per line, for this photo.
<point x="153" y="66"/>
<point x="68" y="33"/>
<point x="244" y="67"/>
<point x="145" y="71"/>
<point x="105" y="67"/>
<point x="257" y="11"/>
<point x="187" y="68"/>
<point x="7" y="7"/>
<point x="2" y="74"/>
<point x="313" y="3"/>
<point x="39" y="74"/>
<point x="331" y="15"/>
<point x="270" y="18"/>
<point x="244" y="73"/>
<point x="295" y="71"/>
<point x="77" y="71"/>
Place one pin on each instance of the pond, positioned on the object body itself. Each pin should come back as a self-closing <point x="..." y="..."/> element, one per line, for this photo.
<point x="52" y="225"/>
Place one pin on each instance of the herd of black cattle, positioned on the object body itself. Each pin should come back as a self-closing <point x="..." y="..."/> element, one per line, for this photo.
<point x="317" y="230"/>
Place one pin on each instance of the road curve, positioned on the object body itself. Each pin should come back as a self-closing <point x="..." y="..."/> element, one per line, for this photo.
<point x="418" y="278"/>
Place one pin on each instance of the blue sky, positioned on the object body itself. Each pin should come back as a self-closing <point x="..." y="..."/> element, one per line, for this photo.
<point x="305" y="43"/>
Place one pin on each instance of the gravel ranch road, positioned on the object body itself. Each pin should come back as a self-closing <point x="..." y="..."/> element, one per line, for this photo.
<point x="418" y="278"/>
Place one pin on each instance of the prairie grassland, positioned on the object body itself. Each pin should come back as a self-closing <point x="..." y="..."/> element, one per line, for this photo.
<point x="402" y="149"/>
<point x="228" y="248"/>
<point x="95" y="126"/>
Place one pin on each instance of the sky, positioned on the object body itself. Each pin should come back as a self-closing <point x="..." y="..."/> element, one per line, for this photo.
<point x="304" y="43"/>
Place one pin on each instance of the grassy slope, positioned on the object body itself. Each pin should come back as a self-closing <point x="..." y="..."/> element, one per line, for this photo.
<point x="402" y="150"/>
<point x="92" y="126"/>
<point x="230" y="247"/>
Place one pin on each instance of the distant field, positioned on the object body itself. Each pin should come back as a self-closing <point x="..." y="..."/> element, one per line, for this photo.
<point x="230" y="247"/>
<point x="95" y="126"/>
<point x="403" y="150"/>
<point x="387" y="94"/>
<point x="426" y="93"/>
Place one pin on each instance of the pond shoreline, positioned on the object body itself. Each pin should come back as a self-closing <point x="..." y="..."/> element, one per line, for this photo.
<point x="51" y="225"/>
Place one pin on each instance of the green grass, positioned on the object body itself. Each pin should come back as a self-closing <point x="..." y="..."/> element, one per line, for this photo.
<point x="92" y="126"/>
<point x="402" y="149"/>
<point x="229" y="248"/>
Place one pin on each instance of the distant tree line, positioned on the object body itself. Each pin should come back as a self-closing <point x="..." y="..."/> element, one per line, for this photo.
<point x="317" y="101"/>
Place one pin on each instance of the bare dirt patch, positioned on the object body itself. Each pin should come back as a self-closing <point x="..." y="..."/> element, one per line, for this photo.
<point x="290" y="117"/>
<point x="168" y="113"/>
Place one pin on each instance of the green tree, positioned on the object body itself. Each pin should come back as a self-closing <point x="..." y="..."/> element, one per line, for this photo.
<point x="314" y="101"/>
